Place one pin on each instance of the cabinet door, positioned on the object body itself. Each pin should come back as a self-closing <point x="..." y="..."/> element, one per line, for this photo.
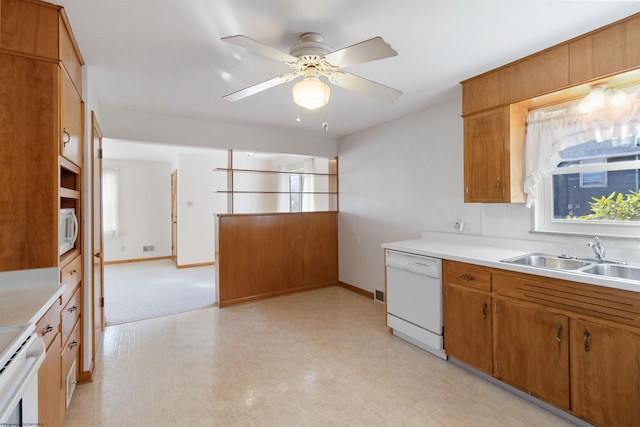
<point x="467" y="326"/>
<point x="611" y="50"/>
<point x="605" y="374"/>
<point x="532" y="351"/>
<point x="49" y="386"/>
<point x="71" y="121"/>
<point x="484" y="156"/>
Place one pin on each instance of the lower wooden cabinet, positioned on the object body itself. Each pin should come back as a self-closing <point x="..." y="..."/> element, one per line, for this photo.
<point x="532" y="351"/>
<point x="467" y="320"/>
<point x="50" y="386"/>
<point x="605" y="374"/>
<point x="573" y="345"/>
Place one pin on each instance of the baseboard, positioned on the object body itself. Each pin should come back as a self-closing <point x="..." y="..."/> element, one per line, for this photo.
<point x="86" y="376"/>
<point x="356" y="289"/>
<point x="202" y="264"/>
<point x="124" y="261"/>
<point x="229" y="302"/>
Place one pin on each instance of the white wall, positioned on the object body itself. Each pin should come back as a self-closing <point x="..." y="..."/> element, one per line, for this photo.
<point x="144" y="210"/>
<point x="396" y="179"/>
<point x="198" y="203"/>
<point x="147" y="127"/>
<point x="406" y="175"/>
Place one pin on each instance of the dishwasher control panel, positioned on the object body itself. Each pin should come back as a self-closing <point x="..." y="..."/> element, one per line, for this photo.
<point x="415" y="263"/>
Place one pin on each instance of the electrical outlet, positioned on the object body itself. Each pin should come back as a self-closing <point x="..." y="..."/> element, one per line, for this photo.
<point x="148" y="248"/>
<point x="121" y="248"/>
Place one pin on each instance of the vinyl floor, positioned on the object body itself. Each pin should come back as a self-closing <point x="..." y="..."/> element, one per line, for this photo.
<point x="317" y="358"/>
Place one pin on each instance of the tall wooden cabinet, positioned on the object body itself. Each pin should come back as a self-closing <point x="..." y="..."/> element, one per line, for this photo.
<point x="41" y="161"/>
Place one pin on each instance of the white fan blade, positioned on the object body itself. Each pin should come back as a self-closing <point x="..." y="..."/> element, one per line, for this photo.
<point x="366" y="51"/>
<point x="252" y="90"/>
<point x="364" y="86"/>
<point x="260" y="48"/>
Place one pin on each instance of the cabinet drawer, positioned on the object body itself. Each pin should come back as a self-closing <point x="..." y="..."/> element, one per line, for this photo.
<point x="71" y="275"/>
<point x="616" y="305"/>
<point x="467" y="275"/>
<point x="70" y="350"/>
<point x="48" y="326"/>
<point x="70" y="315"/>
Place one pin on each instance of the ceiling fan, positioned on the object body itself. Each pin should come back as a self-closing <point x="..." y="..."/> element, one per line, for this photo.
<point x="312" y="58"/>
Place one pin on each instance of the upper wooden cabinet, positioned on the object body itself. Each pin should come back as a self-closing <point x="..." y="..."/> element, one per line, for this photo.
<point x="29" y="163"/>
<point x="69" y="54"/>
<point x="493" y="149"/>
<point x="488" y="90"/>
<point x="534" y="75"/>
<point x="541" y="73"/>
<point x="495" y="104"/>
<point x="39" y="105"/>
<point x="71" y="128"/>
<point x="29" y="28"/>
<point x="610" y="50"/>
<point x="604" y="52"/>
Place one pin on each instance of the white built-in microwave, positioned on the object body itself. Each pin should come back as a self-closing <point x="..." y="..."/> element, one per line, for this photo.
<point x="68" y="229"/>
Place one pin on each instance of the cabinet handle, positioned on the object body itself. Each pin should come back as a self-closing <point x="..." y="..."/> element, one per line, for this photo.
<point x="73" y="344"/>
<point x="498" y="185"/>
<point x="586" y="339"/>
<point x="467" y="277"/>
<point x="48" y="329"/>
<point x="66" y="137"/>
<point x="559" y="332"/>
<point x="72" y="272"/>
<point x="484" y="310"/>
<point x="72" y="309"/>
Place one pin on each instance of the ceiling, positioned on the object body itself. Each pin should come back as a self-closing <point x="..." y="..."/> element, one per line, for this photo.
<point x="166" y="57"/>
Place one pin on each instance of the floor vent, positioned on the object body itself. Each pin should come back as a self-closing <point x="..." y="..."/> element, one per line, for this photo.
<point x="379" y="296"/>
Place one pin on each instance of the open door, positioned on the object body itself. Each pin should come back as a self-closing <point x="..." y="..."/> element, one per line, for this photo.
<point x="97" y="270"/>
<point x="174" y="216"/>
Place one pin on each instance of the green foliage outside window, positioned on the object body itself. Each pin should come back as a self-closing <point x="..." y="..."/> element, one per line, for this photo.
<point x="620" y="207"/>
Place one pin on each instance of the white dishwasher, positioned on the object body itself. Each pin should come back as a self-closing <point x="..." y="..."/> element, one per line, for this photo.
<point x="414" y="299"/>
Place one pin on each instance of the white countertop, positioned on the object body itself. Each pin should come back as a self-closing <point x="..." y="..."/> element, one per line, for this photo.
<point x="489" y="251"/>
<point x="26" y="295"/>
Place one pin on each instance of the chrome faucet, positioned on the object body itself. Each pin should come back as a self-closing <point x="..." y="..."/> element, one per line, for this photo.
<point x="598" y="248"/>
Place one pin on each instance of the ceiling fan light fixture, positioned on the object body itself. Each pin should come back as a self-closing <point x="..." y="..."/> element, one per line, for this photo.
<point x="311" y="93"/>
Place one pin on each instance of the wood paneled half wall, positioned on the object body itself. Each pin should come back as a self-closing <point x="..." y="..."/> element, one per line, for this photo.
<point x="263" y="255"/>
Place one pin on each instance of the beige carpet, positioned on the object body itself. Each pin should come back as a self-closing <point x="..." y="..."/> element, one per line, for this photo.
<point x="142" y="290"/>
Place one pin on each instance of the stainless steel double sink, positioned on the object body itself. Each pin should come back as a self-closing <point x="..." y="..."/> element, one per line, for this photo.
<point x="605" y="268"/>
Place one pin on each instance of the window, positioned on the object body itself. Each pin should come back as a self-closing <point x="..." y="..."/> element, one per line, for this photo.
<point x="582" y="165"/>
<point x="295" y="195"/>
<point x="110" y="178"/>
<point x="592" y="190"/>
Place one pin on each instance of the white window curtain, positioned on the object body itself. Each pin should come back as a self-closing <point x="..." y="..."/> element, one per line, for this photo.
<point x="548" y="133"/>
<point x="110" y="189"/>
